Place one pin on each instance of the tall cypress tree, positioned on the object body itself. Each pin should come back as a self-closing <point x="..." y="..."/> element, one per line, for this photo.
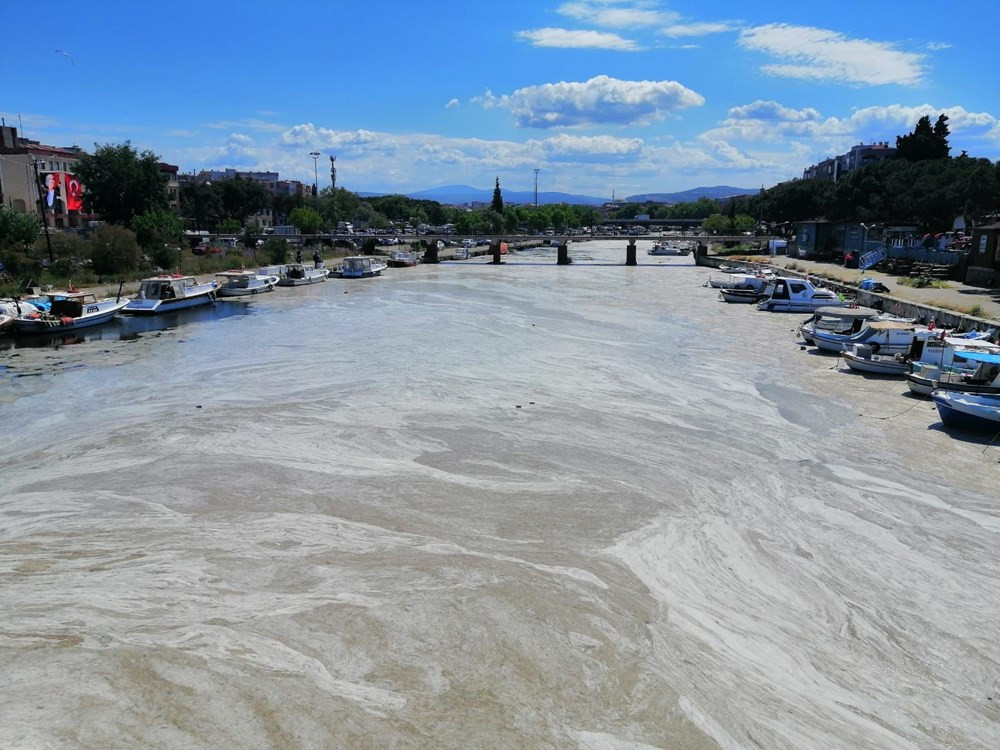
<point x="497" y="204"/>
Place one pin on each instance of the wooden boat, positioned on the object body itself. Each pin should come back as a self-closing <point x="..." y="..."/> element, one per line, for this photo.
<point x="861" y="358"/>
<point x="740" y="296"/>
<point x="360" y="267"/>
<point x="844" y="320"/>
<point x="981" y="374"/>
<point x="403" y="259"/>
<point x="70" y="311"/>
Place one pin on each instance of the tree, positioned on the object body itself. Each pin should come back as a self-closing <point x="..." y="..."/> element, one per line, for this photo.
<point x="201" y="204"/>
<point x="924" y="142"/>
<point x="276" y="249"/>
<point x="497" y="204"/>
<point x="158" y="231"/>
<point x="242" y="198"/>
<point x="230" y="225"/>
<point x="119" y="183"/>
<point x="305" y="220"/>
<point x="113" y="249"/>
<point x="17" y="229"/>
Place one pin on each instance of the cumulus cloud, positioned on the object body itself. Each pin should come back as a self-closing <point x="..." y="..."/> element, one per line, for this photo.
<point x="576" y="39"/>
<point x="772" y="111"/>
<point x="308" y="135"/>
<point x="819" y="54"/>
<point x="616" y="14"/>
<point x="599" y="100"/>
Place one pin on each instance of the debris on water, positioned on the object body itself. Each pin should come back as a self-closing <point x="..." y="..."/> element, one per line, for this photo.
<point x="198" y="406"/>
<point x="518" y="406"/>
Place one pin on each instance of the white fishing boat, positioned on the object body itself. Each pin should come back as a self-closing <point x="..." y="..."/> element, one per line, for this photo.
<point x="407" y="258"/>
<point x="70" y="311"/>
<point x="360" y="267"/>
<point x="968" y="411"/>
<point x="796" y="295"/>
<point x="668" y="248"/>
<point x="165" y="293"/>
<point x="845" y="320"/>
<point x="740" y="296"/>
<point x="861" y="358"/>
<point x="244" y="283"/>
<point x="883" y="336"/>
<point x="739" y="280"/>
<point x="970" y="372"/>
<point x="298" y="274"/>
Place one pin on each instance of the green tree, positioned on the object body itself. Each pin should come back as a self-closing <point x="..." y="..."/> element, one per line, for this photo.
<point x="230" y="225"/>
<point x="497" y="204"/>
<point x="924" y="142"/>
<point x="17" y="230"/>
<point x="201" y="205"/>
<point x="276" y="249"/>
<point x="119" y="183"/>
<point x="113" y="249"/>
<point x="158" y="231"/>
<point x="242" y="198"/>
<point x="305" y="220"/>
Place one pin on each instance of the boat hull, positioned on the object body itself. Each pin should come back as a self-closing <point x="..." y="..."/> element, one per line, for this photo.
<point x="49" y="324"/>
<point x="798" y="306"/>
<point x="888" y="366"/>
<point x="968" y="412"/>
<point x="161" y="306"/>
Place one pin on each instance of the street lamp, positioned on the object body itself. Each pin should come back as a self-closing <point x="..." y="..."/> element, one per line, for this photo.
<point x="315" y="156"/>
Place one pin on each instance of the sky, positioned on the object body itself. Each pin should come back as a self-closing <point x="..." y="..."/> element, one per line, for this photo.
<point x="603" y="98"/>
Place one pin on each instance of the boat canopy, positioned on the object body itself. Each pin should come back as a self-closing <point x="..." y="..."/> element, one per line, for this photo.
<point x="987" y="357"/>
<point x="889" y="325"/>
<point x="846" y="312"/>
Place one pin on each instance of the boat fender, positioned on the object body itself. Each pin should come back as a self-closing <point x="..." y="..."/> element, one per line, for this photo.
<point x="875" y="346"/>
<point x="253" y="291"/>
<point x="270" y="287"/>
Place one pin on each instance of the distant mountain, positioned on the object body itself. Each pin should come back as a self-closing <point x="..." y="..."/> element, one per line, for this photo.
<point x="458" y="194"/>
<point x="690" y="196"/>
<point x="461" y="194"/>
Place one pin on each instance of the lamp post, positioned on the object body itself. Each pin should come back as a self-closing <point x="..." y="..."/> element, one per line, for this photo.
<point x="315" y="156"/>
<point x="537" y="170"/>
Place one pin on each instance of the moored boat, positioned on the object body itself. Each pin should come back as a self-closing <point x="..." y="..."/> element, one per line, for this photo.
<point x="70" y="311"/>
<point x="843" y="320"/>
<point x="298" y="274"/>
<point x="974" y="372"/>
<point x="740" y="296"/>
<point x="968" y="411"/>
<point x="360" y="267"/>
<point x="861" y="358"/>
<point x="406" y="258"/>
<point x="668" y="248"/>
<point x="168" y="292"/>
<point x="883" y="336"/>
<point x="797" y="295"/>
<point x="244" y="283"/>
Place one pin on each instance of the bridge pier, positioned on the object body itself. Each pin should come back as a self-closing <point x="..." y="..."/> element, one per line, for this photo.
<point x="630" y="254"/>
<point x="430" y="251"/>
<point x="563" y="258"/>
<point x="495" y="252"/>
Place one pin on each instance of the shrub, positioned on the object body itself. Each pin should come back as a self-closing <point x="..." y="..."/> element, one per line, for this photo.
<point x="113" y="249"/>
<point x="276" y="249"/>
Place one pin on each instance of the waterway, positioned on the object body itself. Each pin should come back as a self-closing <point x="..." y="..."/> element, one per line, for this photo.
<point x="488" y="506"/>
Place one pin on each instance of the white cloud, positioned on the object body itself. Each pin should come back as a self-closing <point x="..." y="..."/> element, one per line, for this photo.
<point x="601" y="100"/>
<point x="616" y="14"/>
<point x="262" y="126"/>
<point x="452" y="103"/>
<point x="771" y="110"/>
<point x="820" y="54"/>
<point x="576" y="39"/>
<point x="696" y="29"/>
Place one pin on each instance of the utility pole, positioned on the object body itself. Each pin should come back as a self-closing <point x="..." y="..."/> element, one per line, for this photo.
<point x="537" y="170"/>
<point x="333" y="172"/>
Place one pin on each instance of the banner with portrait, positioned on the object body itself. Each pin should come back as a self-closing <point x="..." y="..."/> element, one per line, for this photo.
<point x="61" y="192"/>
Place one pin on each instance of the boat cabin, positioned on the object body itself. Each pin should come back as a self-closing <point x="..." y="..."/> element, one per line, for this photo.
<point x="295" y="271"/>
<point x="236" y="279"/>
<point x="165" y="287"/>
<point x="73" y="305"/>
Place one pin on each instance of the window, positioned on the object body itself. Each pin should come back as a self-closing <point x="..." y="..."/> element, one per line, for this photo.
<point x="797" y="288"/>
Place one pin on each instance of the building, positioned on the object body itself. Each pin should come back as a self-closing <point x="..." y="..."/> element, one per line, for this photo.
<point x="35" y="178"/>
<point x="173" y="186"/>
<point x="271" y="182"/>
<point x="984" y="257"/>
<point x="859" y="156"/>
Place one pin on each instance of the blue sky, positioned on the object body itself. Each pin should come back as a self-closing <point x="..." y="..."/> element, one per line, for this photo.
<point x="627" y="96"/>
